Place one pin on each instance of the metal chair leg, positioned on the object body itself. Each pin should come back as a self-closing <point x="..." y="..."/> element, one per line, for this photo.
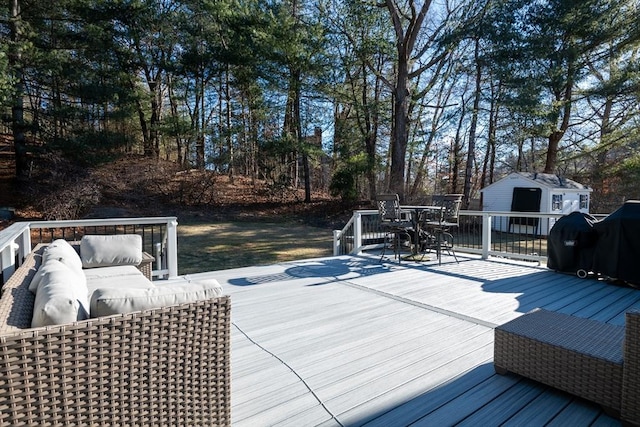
<point x="395" y="240"/>
<point x="450" y="250"/>
<point x="384" y="246"/>
<point x="397" y="243"/>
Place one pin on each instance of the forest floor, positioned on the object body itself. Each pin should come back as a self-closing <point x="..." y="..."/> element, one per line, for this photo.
<point x="223" y="222"/>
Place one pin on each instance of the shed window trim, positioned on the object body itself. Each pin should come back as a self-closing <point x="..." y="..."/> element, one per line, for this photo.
<point x="556" y="202"/>
<point x="584" y="201"/>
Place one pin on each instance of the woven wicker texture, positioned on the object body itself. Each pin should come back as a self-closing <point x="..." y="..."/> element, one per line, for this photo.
<point x="580" y="356"/>
<point x="167" y="366"/>
<point x="16" y="301"/>
<point x="146" y="265"/>
<point x="631" y="377"/>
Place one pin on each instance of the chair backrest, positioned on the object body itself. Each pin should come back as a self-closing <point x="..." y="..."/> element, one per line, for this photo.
<point x="437" y="200"/>
<point x="388" y="207"/>
<point x="451" y="203"/>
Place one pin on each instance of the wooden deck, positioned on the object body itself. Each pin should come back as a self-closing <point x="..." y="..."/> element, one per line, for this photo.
<point x="350" y="341"/>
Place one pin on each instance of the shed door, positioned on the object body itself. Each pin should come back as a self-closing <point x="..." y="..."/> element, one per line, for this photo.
<point x="525" y="200"/>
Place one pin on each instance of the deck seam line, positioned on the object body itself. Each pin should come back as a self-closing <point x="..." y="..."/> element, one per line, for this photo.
<point x="293" y="371"/>
<point x="429" y="307"/>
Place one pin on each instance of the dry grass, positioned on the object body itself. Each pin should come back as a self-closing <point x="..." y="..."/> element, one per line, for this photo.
<point x="217" y="246"/>
<point x="223" y="223"/>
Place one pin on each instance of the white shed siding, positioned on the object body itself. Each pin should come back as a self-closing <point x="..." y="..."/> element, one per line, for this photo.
<point x="498" y="197"/>
<point x="570" y="202"/>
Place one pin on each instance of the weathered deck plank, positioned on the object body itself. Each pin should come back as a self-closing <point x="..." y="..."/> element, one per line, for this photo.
<point x="350" y="341"/>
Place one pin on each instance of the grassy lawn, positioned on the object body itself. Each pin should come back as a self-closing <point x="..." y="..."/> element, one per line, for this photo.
<point x="218" y="246"/>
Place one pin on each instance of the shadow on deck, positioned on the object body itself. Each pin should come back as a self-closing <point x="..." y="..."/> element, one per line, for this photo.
<point x="351" y="341"/>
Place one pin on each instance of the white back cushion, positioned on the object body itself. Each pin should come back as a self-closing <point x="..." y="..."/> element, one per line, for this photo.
<point x="61" y="295"/>
<point x="63" y="251"/>
<point x="105" y="251"/>
<point x="59" y="250"/>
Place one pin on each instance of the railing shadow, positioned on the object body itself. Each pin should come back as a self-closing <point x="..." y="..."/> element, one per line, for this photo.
<point x="523" y="288"/>
<point x="534" y="287"/>
<point x="332" y="269"/>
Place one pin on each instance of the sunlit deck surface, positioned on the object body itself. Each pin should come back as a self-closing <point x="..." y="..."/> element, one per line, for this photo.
<point x="351" y="341"/>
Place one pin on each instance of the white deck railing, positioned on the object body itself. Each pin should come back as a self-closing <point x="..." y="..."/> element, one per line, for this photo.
<point x="481" y="232"/>
<point x="517" y="235"/>
<point x="159" y="235"/>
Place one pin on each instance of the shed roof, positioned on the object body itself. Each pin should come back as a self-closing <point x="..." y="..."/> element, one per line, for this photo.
<point x="547" y="180"/>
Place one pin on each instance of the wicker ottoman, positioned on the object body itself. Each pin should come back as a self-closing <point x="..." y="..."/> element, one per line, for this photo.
<point x="583" y="357"/>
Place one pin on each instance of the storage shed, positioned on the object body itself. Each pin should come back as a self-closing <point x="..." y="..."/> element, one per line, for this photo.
<point x="533" y="192"/>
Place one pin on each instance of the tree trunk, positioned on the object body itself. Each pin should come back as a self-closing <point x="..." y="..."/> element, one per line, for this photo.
<point x="229" y="140"/>
<point x="200" y="121"/>
<point x="371" y="162"/>
<point x="468" y="176"/>
<point x="307" y="177"/>
<point x="400" y="133"/>
<point x="421" y="168"/>
<point x="600" y="166"/>
<point x="144" y="127"/>
<point x="371" y="124"/>
<point x="421" y="171"/>
<point x="173" y="105"/>
<point x="564" y="97"/>
<point x="405" y="40"/>
<point x="456" y="161"/>
<point x="552" y="152"/>
<point x="17" y="108"/>
<point x="490" y="154"/>
<point x="153" y="148"/>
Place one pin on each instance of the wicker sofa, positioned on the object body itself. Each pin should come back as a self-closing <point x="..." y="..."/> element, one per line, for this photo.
<point x="167" y="366"/>
<point x="597" y="361"/>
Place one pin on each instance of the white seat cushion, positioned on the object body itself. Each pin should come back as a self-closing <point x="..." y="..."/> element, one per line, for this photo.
<point x="108" y="301"/>
<point x="121" y="277"/>
<point x="115" y="271"/>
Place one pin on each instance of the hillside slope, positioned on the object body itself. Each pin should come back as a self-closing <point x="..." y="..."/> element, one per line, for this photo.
<point x="136" y="186"/>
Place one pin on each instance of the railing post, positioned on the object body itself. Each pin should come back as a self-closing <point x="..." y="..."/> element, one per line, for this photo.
<point x="486" y="235"/>
<point x="8" y="261"/>
<point x="357" y="234"/>
<point x="25" y="244"/>
<point x="158" y="256"/>
<point x="172" y="248"/>
<point x="336" y="242"/>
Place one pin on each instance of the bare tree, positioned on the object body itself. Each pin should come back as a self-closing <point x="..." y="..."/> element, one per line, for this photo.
<point x="419" y="47"/>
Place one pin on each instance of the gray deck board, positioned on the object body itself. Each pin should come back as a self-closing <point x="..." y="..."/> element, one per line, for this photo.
<point x="500" y="409"/>
<point x="578" y="412"/>
<point x="350" y="341"/>
<point x="464" y="405"/>
<point x="542" y="410"/>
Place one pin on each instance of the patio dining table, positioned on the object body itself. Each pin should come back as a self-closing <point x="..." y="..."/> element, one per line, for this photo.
<point x="416" y="214"/>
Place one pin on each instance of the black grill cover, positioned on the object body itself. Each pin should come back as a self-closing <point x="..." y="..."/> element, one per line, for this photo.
<point x="617" y="253"/>
<point x="571" y="243"/>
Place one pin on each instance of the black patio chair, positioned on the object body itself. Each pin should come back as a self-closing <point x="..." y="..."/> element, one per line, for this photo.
<point x="393" y="223"/>
<point x="439" y="223"/>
